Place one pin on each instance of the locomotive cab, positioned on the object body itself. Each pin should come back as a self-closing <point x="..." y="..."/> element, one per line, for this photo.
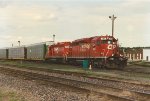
<point x="106" y="52"/>
<point x="104" y="46"/>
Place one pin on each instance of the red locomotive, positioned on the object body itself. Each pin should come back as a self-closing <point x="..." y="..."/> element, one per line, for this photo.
<point x="101" y="51"/>
<point x="58" y="51"/>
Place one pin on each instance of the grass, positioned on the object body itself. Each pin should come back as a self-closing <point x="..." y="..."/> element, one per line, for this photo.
<point x="69" y="68"/>
<point x="59" y="67"/>
<point x="48" y="66"/>
<point x="25" y="64"/>
<point x="9" y="96"/>
<point x="141" y="63"/>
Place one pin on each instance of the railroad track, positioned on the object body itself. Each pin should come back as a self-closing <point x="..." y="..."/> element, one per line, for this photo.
<point x="117" y="90"/>
<point x="137" y="69"/>
<point x="138" y="72"/>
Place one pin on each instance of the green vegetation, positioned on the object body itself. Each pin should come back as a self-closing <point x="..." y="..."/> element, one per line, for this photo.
<point x="39" y="64"/>
<point x="9" y="96"/>
<point x="141" y="63"/>
<point x="99" y="73"/>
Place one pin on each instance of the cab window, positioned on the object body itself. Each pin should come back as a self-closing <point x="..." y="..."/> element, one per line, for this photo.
<point x="106" y="41"/>
<point x="98" y="42"/>
<point x="109" y="41"/>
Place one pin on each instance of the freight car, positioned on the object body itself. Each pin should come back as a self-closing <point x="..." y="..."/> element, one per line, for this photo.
<point x="4" y="53"/>
<point x="17" y="53"/>
<point x="36" y="51"/>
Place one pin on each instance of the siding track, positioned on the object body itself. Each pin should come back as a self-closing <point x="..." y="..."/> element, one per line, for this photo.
<point x="114" y="90"/>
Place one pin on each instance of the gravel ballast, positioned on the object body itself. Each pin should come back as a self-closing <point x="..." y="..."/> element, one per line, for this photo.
<point x="32" y="90"/>
<point x="39" y="90"/>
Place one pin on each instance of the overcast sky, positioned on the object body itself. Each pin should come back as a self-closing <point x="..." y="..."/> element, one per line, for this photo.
<point x="33" y="21"/>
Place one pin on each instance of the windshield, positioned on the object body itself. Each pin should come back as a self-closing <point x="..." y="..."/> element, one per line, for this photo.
<point x="106" y="41"/>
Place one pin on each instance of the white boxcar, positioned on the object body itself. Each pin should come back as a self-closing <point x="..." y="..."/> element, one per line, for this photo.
<point x="3" y="53"/>
<point x="146" y="54"/>
<point x="17" y="53"/>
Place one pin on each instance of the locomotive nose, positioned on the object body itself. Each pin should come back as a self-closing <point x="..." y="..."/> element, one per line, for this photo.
<point x="111" y="46"/>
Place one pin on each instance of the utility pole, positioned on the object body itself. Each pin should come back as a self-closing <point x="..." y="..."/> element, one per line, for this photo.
<point x="53" y="37"/>
<point x="19" y="43"/>
<point x="112" y="18"/>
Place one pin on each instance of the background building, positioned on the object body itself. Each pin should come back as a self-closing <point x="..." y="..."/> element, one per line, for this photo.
<point x="146" y="54"/>
<point x="135" y="53"/>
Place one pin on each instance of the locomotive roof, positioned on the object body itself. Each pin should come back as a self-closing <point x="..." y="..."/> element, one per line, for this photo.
<point x="84" y="40"/>
<point x="103" y="38"/>
<point x="63" y="42"/>
<point x="60" y="43"/>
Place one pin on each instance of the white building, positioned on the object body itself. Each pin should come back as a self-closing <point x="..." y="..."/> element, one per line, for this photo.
<point x="146" y="54"/>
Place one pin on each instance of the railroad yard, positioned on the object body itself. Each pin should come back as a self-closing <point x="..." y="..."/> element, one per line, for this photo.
<point x="37" y="81"/>
<point x="65" y="50"/>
